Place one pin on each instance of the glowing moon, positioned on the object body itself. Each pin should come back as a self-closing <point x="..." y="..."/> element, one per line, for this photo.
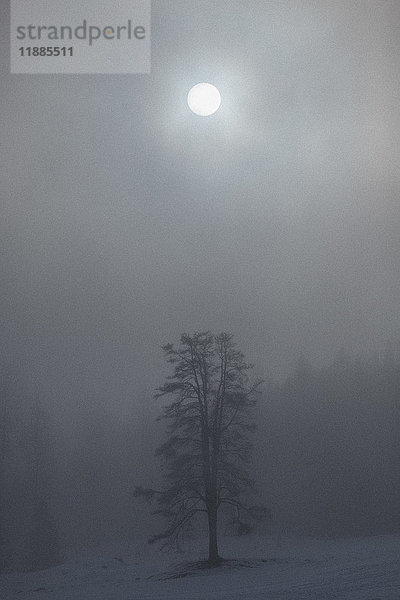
<point x="204" y="99"/>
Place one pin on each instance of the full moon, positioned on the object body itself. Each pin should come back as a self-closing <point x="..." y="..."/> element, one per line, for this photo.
<point x="204" y="99"/>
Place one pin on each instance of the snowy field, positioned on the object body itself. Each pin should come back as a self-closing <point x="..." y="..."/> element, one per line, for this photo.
<point x="259" y="569"/>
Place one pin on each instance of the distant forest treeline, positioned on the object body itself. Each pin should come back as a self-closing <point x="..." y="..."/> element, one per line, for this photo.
<point x="329" y="444"/>
<point x="326" y="462"/>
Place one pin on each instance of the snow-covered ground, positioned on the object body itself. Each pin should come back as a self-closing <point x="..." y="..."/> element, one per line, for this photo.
<point x="260" y="569"/>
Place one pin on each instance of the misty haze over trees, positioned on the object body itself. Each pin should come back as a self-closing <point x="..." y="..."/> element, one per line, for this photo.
<point x="325" y="460"/>
<point x="126" y="220"/>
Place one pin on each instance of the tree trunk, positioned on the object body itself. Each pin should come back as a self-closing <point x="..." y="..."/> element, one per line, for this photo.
<point x="213" y="557"/>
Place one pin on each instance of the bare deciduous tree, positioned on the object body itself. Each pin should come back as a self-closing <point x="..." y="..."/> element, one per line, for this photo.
<point x="208" y="446"/>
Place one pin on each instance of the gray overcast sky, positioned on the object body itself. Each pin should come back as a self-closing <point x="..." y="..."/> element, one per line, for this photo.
<point x="126" y="219"/>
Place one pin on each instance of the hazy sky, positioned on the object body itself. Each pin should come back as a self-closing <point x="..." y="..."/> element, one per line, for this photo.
<point x="127" y="220"/>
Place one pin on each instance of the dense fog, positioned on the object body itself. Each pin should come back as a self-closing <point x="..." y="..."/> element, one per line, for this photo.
<point x="127" y="220"/>
<point x="325" y="460"/>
